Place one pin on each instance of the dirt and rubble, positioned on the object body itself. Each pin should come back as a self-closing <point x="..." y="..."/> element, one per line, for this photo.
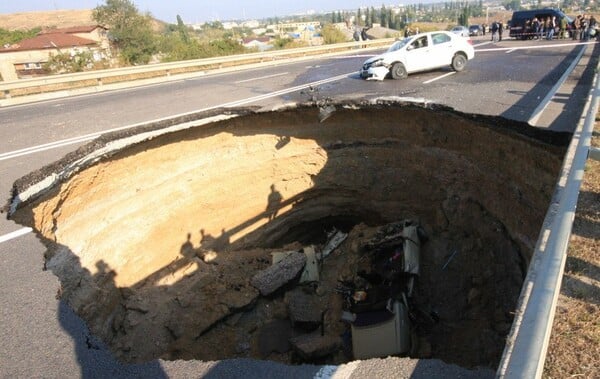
<point x="166" y="246"/>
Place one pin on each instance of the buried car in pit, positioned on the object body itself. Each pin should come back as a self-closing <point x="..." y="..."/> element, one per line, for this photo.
<point x="379" y="303"/>
<point x="421" y="52"/>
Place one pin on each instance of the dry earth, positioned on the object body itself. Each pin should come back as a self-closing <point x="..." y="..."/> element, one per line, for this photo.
<point x="47" y="19"/>
<point x="54" y="19"/>
<point x="126" y="228"/>
<point x="574" y="350"/>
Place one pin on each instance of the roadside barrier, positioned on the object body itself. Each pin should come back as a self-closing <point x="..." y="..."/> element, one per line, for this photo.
<point x="525" y="352"/>
<point x="137" y="75"/>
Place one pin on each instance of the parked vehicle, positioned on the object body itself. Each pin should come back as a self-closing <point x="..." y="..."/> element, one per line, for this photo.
<point x="475" y="30"/>
<point x="520" y="24"/>
<point x="421" y="52"/>
<point x="460" y="30"/>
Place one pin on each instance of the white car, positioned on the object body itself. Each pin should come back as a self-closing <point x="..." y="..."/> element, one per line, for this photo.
<point x="421" y="52"/>
<point x="462" y="31"/>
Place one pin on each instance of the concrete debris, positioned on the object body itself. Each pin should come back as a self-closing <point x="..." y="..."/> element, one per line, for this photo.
<point x="314" y="346"/>
<point x="311" y="269"/>
<point x="304" y="309"/>
<point x="274" y="277"/>
<point x="334" y="239"/>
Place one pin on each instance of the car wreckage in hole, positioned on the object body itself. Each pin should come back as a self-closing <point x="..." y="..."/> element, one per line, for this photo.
<point x="378" y="305"/>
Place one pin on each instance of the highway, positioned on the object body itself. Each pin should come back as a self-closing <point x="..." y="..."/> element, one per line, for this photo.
<point x="544" y="83"/>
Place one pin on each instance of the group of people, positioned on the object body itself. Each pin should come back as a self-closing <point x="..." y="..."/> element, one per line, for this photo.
<point x="497" y="28"/>
<point x="582" y="28"/>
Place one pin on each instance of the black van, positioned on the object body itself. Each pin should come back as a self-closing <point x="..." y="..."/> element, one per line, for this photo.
<point x="520" y="24"/>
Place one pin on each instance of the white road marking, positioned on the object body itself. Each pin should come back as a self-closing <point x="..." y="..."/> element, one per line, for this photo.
<point x="261" y="77"/>
<point x="510" y="51"/>
<point x="88" y="137"/>
<point x="529" y="47"/>
<point x="15" y="234"/>
<point x="535" y="116"/>
<point x="439" y="77"/>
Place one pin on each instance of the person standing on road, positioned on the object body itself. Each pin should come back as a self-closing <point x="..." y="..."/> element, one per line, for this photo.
<point x="495" y="31"/>
<point x="563" y="28"/>
<point x="500" y="30"/>
<point x="592" y="32"/>
<point x="576" y="28"/>
<point x="550" y="25"/>
<point x="535" y="27"/>
<point x="583" y="35"/>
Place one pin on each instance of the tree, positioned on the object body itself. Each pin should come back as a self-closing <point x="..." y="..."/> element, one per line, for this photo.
<point x="359" y="18"/>
<point x="331" y="34"/>
<point x="8" y="37"/>
<point x="463" y="17"/>
<point x="129" y="31"/>
<point x="373" y="19"/>
<point x="182" y="29"/>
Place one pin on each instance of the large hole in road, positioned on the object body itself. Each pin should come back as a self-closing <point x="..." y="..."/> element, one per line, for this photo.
<point x="160" y="235"/>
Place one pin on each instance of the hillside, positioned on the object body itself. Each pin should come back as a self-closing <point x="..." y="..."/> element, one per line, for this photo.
<point x="54" y="19"/>
<point x="46" y="19"/>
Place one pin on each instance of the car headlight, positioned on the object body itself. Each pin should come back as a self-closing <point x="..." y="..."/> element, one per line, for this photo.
<point x="377" y="63"/>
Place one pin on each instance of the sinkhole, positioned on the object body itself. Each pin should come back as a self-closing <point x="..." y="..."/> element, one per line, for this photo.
<point x="158" y="233"/>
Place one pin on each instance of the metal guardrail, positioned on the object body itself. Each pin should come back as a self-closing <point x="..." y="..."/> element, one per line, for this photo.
<point x="525" y="352"/>
<point x="126" y="74"/>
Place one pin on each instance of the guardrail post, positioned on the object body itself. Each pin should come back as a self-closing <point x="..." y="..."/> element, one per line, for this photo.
<point x="99" y="82"/>
<point x="7" y="94"/>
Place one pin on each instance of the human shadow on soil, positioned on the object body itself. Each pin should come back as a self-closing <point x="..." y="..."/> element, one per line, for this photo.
<point x="93" y="356"/>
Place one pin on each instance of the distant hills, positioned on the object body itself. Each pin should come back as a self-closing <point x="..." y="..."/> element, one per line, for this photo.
<point x="53" y="19"/>
<point x="46" y="19"/>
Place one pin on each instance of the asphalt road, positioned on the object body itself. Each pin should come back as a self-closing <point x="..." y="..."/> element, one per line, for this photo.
<point x="41" y="337"/>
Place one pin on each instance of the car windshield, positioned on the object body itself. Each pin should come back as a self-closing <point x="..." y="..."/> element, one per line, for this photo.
<point x="398" y="45"/>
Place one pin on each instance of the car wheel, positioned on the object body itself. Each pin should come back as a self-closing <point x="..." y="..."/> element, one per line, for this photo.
<point x="459" y="62"/>
<point x="398" y="71"/>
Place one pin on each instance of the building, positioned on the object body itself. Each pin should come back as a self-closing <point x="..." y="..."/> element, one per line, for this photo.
<point x="26" y="58"/>
<point x="259" y="43"/>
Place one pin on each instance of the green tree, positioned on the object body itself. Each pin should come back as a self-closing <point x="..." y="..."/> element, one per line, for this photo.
<point x="331" y="34"/>
<point x="66" y="63"/>
<point x="383" y="16"/>
<point x="182" y="29"/>
<point x="359" y="18"/>
<point x="463" y="17"/>
<point x="8" y="37"/>
<point x="373" y="19"/>
<point x="129" y="31"/>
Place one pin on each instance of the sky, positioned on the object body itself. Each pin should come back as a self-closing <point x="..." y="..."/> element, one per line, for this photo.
<point x="198" y="11"/>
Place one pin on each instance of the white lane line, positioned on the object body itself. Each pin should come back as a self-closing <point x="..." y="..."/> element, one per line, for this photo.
<point x="15" y="234"/>
<point x="535" y="116"/>
<point x="261" y="77"/>
<point x="20" y="232"/>
<point x="439" y="77"/>
<point x="88" y="137"/>
<point x="529" y="47"/>
<point x="510" y="51"/>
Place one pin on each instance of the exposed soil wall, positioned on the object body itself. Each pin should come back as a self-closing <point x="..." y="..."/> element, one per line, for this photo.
<point x="156" y="243"/>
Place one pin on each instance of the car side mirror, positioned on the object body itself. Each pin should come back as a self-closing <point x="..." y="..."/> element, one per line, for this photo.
<point x="409" y="47"/>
